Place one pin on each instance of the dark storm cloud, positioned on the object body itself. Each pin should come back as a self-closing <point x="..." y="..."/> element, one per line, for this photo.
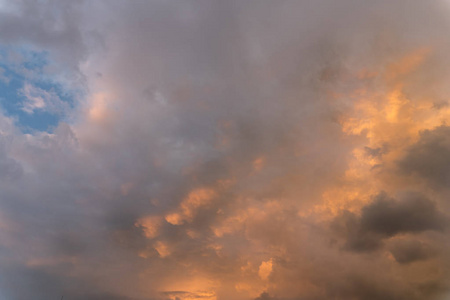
<point x="349" y="224"/>
<point x="408" y="251"/>
<point x="357" y="287"/>
<point x="385" y="217"/>
<point x="429" y="158"/>
<point x="413" y="213"/>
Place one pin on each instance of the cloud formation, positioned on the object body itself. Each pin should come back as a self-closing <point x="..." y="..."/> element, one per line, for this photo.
<point x="38" y="99"/>
<point x="227" y="150"/>
<point x="428" y="158"/>
<point x="386" y="217"/>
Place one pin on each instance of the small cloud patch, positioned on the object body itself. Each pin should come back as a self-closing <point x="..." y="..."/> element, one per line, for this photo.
<point x="36" y="98"/>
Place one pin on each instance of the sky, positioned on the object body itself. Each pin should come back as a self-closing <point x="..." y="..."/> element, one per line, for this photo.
<point x="224" y="150"/>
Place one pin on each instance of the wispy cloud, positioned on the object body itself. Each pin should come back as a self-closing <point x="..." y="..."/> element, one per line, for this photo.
<point x="37" y="99"/>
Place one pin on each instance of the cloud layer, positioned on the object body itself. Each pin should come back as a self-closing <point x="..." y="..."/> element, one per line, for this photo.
<point x="227" y="150"/>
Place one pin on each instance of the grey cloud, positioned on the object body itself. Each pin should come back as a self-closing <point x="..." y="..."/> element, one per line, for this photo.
<point x="40" y="284"/>
<point x="413" y="213"/>
<point x="265" y="296"/>
<point x="385" y="217"/>
<point x="46" y="283"/>
<point x="409" y="251"/>
<point x="10" y="169"/>
<point x="70" y="244"/>
<point x="98" y="296"/>
<point x="363" y="288"/>
<point x="47" y="25"/>
<point x="429" y="158"/>
<point x="377" y="152"/>
<point x="349" y="224"/>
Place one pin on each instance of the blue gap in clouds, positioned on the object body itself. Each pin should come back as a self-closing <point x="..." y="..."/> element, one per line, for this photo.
<point x="12" y="101"/>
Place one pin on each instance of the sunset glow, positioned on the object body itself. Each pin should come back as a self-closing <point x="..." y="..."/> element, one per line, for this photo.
<point x="225" y="150"/>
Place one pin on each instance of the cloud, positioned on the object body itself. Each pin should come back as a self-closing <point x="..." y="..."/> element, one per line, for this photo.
<point x="37" y="99"/>
<point x="386" y="217"/>
<point x="36" y="25"/>
<point x="228" y="150"/>
<point x="264" y="296"/>
<point x="389" y="217"/>
<point x="182" y="295"/>
<point x="408" y="251"/>
<point x="10" y="169"/>
<point x="265" y="269"/>
<point x="428" y="158"/>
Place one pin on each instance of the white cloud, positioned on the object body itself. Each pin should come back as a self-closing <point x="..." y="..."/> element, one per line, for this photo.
<point x="37" y="99"/>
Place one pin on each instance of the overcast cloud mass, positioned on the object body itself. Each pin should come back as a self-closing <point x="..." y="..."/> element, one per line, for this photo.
<point x="225" y="150"/>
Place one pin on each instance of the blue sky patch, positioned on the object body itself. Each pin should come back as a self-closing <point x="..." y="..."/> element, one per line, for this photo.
<point x="36" y="102"/>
